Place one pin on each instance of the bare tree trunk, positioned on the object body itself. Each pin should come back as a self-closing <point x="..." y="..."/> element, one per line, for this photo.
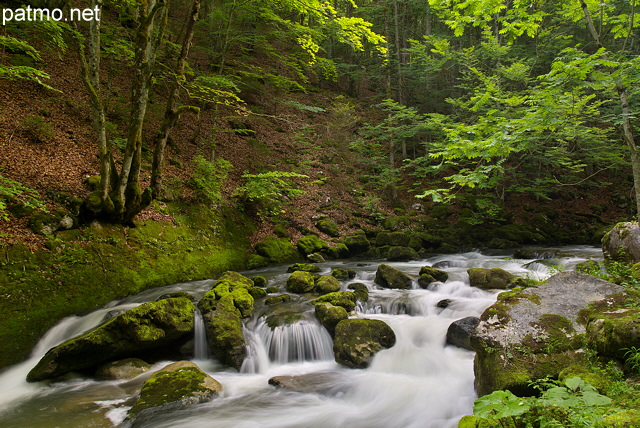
<point x="627" y="127"/>
<point x="173" y="112"/>
<point x="127" y="197"/>
<point x="90" y="67"/>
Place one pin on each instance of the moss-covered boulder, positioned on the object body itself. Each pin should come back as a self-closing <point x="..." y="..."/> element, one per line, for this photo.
<point x="358" y="340"/>
<point x="360" y="291"/>
<point x="330" y="315"/>
<point x="223" y="307"/>
<point x="122" y="369"/>
<point x="486" y="279"/>
<point x="614" y="332"/>
<point x="312" y="244"/>
<point x="277" y="250"/>
<point x="174" y="387"/>
<point x="327" y="284"/>
<point x="535" y="332"/>
<point x="345" y="299"/>
<point x="402" y="254"/>
<point x="259" y="281"/>
<point x="357" y="244"/>
<point x="343" y="274"/>
<point x="393" y="239"/>
<point x="304" y="267"/>
<point x="274" y="300"/>
<point x="622" y="243"/>
<point x="328" y="226"/>
<point x="300" y="282"/>
<point x="223" y="328"/>
<point x="436" y="274"/>
<point x="148" y="327"/>
<point x="390" y="277"/>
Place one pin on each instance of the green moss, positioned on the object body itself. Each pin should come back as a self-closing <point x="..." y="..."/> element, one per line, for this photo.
<point x="329" y="227"/>
<point x="346" y="299"/>
<point x="243" y="301"/>
<point x="304" y="267"/>
<point x="274" y="300"/>
<point x="300" y="282"/>
<point x="327" y="284"/>
<point x="168" y="387"/>
<point x="277" y="250"/>
<point x="312" y="244"/>
<point x="112" y="262"/>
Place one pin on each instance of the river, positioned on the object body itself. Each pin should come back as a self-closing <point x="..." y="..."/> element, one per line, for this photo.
<point x="419" y="382"/>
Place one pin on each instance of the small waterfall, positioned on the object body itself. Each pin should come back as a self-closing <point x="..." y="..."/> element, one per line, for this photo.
<point x="305" y="340"/>
<point x="201" y="348"/>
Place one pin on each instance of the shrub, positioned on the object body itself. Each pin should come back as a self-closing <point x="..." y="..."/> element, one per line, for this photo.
<point x="208" y="178"/>
<point x="269" y="191"/>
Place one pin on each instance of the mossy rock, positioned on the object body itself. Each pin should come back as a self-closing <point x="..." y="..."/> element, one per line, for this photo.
<point x="437" y="274"/>
<point x="317" y="257"/>
<point x="277" y="250"/>
<point x="243" y="301"/>
<point x="259" y="281"/>
<point x="402" y="254"/>
<point x="93" y="182"/>
<point x="393" y="239"/>
<point x="343" y="274"/>
<point x="622" y="243"/>
<point x="312" y="244"/>
<point x="329" y="227"/>
<point x="273" y="289"/>
<point x="274" y="300"/>
<point x="390" y="277"/>
<point x="614" y="332"/>
<point x="154" y="325"/>
<point x="234" y="280"/>
<point x="345" y="299"/>
<point x="358" y="340"/>
<point x="176" y="386"/>
<point x="300" y="282"/>
<point x="256" y="261"/>
<point x="304" y="267"/>
<point x="360" y="291"/>
<point x="330" y="315"/>
<point x="223" y="327"/>
<point x="282" y="318"/>
<point x="486" y="279"/>
<point x="257" y="292"/>
<point x="357" y="244"/>
<point x="327" y="284"/>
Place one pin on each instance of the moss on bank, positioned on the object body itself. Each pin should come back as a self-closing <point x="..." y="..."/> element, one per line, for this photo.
<point x="86" y="268"/>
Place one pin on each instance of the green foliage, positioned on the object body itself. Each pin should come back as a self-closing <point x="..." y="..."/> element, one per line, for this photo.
<point x="12" y="191"/>
<point x="578" y="402"/>
<point x="208" y="178"/>
<point x="269" y="191"/>
<point x="632" y="358"/>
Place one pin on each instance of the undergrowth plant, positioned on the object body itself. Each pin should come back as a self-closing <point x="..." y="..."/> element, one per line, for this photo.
<point x="12" y="191"/>
<point x="269" y="191"/>
<point x="208" y="178"/>
<point x="572" y="402"/>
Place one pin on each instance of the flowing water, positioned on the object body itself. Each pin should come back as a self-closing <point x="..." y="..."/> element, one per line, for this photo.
<point x="419" y="382"/>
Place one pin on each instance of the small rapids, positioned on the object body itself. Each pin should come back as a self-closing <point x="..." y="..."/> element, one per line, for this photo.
<point x="419" y="382"/>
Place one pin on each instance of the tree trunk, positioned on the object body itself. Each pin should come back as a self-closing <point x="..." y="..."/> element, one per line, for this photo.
<point x="172" y="112"/>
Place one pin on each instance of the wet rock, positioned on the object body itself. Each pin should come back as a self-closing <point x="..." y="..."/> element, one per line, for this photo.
<point x="390" y="277"/>
<point x="259" y="281"/>
<point x="300" y="282"/>
<point x="345" y="299"/>
<point x="343" y="274"/>
<point x="487" y="279"/>
<point x="330" y="315"/>
<point x="429" y="275"/>
<point x="528" y="253"/>
<point x="327" y="284"/>
<point x="622" y="243"/>
<point x="274" y="300"/>
<point x="358" y="340"/>
<point x="459" y="332"/>
<point x="360" y="291"/>
<point x="316" y="258"/>
<point x="148" y="327"/>
<point x="122" y="369"/>
<point x="304" y="267"/>
<point x="535" y="332"/>
<point x="444" y="303"/>
<point x="174" y="387"/>
<point x="311" y="383"/>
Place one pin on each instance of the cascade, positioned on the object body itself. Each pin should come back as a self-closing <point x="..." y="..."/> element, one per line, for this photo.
<point x="419" y="382"/>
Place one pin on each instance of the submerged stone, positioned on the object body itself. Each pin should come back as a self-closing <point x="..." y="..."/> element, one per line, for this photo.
<point x="122" y="369"/>
<point x="459" y="332"/>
